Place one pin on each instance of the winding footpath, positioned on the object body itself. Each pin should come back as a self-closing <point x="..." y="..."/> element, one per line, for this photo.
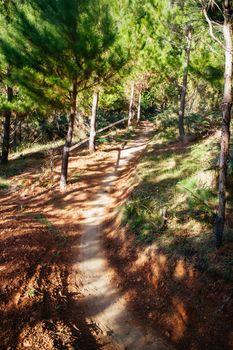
<point x="104" y="306"/>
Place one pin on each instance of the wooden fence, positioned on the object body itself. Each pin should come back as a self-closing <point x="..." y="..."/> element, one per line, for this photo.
<point x="97" y="132"/>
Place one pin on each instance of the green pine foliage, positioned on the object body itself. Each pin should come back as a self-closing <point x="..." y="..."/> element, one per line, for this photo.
<point x="49" y="44"/>
<point x="52" y="43"/>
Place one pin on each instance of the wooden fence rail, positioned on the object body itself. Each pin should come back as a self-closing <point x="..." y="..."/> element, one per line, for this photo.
<point x="97" y="132"/>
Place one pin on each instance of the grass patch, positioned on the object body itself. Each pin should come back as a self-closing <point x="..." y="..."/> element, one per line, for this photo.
<point x="180" y="181"/>
<point x="4" y="183"/>
<point x="174" y="178"/>
<point x="26" y="159"/>
<point x="18" y="166"/>
<point x="116" y="137"/>
<point x="24" y="151"/>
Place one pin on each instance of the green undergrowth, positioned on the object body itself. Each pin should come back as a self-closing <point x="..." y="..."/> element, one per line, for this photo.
<point x="195" y="123"/>
<point x="4" y="183"/>
<point x="30" y="150"/>
<point x="39" y="155"/>
<point x="25" y="159"/>
<point x="175" y="200"/>
<point x="14" y="168"/>
<point x="17" y="166"/>
<point x="116" y="137"/>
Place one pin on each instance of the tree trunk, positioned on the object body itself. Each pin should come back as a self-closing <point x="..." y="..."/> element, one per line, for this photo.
<point x="185" y="82"/>
<point x="20" y="132"/>
<point x="16" y="132"/>
<point x="6" y="128"/>
<point x="225" y="135"/>
<point x="66" y="150"/>
<point x="131" y="104"/>
<point x="93" y="122"/>
<point x="139" y="106"/>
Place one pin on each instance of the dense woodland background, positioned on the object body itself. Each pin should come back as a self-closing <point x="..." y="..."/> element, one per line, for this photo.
<point x="93" y="74"/>
<point x="55" y="55"/>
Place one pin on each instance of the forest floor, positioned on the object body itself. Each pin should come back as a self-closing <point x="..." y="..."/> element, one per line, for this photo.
<point x="44" y="300"/>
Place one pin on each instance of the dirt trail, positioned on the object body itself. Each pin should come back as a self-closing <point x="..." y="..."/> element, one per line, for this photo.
<point x="47" y="304"/>
<point x="104" y="306"/>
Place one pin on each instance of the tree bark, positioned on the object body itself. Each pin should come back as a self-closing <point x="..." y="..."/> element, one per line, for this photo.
<point x="185" y="82"/>
<point x="69" y="137"/>
<point x="17" y="130"/>
<point x="139" y="106"/>
<point x="20" y="132"/>
<point x="93" y="122"/>
<point x="225" y="135"/>
<point x="131" y="104"/>
<point x="6" y="128"/>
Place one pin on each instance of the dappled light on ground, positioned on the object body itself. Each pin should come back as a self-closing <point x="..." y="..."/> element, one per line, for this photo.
<point x="42" y="300"/>
<point x="104" y="305"/>
<point x="162" y="279"/>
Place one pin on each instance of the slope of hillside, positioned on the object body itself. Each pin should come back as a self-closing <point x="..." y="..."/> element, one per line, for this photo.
<point x="162" y="247"/>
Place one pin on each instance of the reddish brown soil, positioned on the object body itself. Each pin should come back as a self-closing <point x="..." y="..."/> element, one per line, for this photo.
<point x="192" y="310"/>
<point x="40" y="304"/>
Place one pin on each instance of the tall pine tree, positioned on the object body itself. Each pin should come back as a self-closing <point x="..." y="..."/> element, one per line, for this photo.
<point x="62" y="48"/>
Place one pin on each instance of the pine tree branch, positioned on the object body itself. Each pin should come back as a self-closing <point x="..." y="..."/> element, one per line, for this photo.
<point x="211" y="29"/>
<point x="214" y="3"/>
